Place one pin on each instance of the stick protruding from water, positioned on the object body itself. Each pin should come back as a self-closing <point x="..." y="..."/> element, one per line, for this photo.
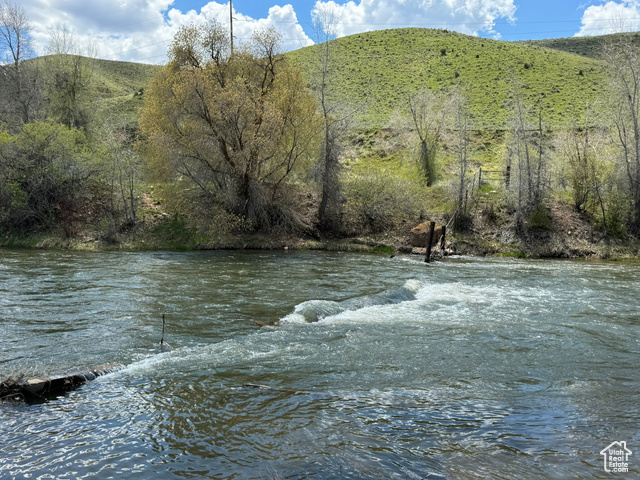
<point x="162" y="338"/>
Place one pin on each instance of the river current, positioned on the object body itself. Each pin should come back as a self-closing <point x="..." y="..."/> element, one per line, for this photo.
<point x="379" y="367"/>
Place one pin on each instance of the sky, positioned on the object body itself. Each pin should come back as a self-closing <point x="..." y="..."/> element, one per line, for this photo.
<point x="140" y="30"/>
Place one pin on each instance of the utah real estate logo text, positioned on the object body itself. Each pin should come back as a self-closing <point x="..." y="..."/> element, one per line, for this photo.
<point x="616" y="457"/>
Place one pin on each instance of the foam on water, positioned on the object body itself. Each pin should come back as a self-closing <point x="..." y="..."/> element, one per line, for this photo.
<point x="318" y="310"/>
<point x="415" y="302"/>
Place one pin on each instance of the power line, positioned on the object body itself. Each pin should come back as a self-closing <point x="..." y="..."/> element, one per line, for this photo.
<point x="507" y="23"/>
<point x="510" y="34"/>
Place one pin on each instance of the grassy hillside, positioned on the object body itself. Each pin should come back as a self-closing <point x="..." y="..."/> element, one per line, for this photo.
<point x="376" y="72"/>
<point x="114" y="86"/>
<point x="120" y="85"/>
<point x="585" y="46"/>
<point x="380" y="70"/>
<point x="118" y="80"/>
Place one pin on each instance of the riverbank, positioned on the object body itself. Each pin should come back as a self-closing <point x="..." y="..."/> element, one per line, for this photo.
<point x="561" y="233"/>
<point x="504" y="242"/>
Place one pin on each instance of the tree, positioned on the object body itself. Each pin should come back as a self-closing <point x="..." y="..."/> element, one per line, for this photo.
<point x="334" y="122"/>
<point x="20" y="93"/>
<point x="461" y="148"/>
<point x="122" y="170"/>
<point x="583" y="167"/>
<point x="529" y="146"/>
<point x="239" y="127"/>
<point x="429" y="111"/>
<point x="578" y="154"/>
<point x="69" y="68"/>
<point x="623" y="60"/>
<point x="45" y="176"/>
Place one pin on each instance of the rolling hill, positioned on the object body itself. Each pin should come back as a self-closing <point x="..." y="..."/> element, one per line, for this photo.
<point x="114" y="87"/>
<point x="381" y="70"/>
<point x="120" y="86"/>
<point x="585" y="46"/>
<point x="375" y="73"/>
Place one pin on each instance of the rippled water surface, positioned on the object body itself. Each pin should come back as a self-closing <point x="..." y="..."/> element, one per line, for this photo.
<point x="386" y="367"/>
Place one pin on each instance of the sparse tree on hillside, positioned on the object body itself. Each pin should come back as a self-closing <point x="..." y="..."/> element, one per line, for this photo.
<point x="577" y="155"/>
<point x="461" y="147"/>
<point x="121" y="169"/>
<point x="623" y="59"/>
<point x="18" y="83"/>
<point x="335" y="120"/>
<point x="239" y="127"/>
<point x="529" y="146"/>
<point x="429" y="111"/>
<point x="69" y="69"/>
<point x="583" y="167"/>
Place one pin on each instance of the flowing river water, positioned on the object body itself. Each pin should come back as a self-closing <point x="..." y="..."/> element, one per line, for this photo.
<point x="461" y="369"/>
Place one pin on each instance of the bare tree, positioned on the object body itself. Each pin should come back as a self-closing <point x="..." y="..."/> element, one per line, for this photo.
<point x="529" y="147"/>
<point x="122" y="169"/>
<point x="623" y="59"/>
<point x="429" y="112"/>
<point x="19" y="83"/>
<point x="70" y="68"/>
<point x="461" y="126"/>
<point x="335" y="122"/>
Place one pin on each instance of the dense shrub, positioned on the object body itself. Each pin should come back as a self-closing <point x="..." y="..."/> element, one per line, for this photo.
<point x="379" y="199"/>
<point x="45" y="176"/>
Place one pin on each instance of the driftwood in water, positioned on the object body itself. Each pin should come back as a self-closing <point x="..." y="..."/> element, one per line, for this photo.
<point x="43" y="388"/>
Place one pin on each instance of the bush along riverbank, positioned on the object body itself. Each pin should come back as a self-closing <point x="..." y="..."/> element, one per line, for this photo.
<point x="563" y="233"/>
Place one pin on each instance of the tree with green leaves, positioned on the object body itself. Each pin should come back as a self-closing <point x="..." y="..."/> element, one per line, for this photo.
<point x="584" y="168"/>
<point x="239" y="126"/>
<point x="69" y="70"/>
<point x="45" y="177"/>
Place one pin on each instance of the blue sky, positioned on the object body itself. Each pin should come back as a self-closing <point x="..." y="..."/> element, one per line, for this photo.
<point x="140" y="30"/>
<point x="535" y="19"/>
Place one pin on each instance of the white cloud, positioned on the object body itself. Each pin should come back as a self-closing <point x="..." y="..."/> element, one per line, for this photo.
<point x="141" y="30"/>
<point x="611" y="17"/>
<point x="466" y="16"/>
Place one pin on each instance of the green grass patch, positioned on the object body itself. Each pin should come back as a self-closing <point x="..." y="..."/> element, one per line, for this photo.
<point x="512" y="254"/>
<point x="383" y="249"/>
<point x="377" y="72"/>
<point x="175" y="234"/>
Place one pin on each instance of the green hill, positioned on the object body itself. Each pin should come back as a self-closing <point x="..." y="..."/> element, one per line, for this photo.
<point x="114" y="87"/>
<point x="120" y="79"/>
<point x="120" y="85"/>
<point x="585" y="46"/>
<point x="380" y="70"/>
<point x="376" y="72"/>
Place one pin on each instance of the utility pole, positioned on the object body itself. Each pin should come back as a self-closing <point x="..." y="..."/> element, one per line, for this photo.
<point x="231" y="23"/>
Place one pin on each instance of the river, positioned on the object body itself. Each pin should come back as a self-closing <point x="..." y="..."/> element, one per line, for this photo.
<point x="460" y="369"/>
